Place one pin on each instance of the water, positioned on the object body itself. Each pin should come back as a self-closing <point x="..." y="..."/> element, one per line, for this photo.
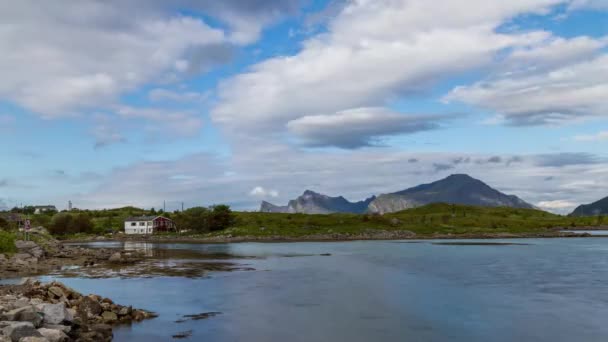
<point x="541" y="290"/>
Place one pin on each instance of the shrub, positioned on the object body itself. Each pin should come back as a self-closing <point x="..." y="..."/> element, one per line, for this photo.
<point x="7" y="242"/>
<point x="65" y="223"/>
<point x="202" y="219"/>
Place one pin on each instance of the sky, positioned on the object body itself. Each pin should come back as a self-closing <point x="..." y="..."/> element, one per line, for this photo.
<point x="145" y="102"/>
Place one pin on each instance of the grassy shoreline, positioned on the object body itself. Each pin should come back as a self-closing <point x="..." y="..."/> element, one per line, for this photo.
<point x="435" y="221"/>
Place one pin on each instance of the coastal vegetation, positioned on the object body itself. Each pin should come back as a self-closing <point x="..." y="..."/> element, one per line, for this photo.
<point x="7" y="242"/>
<point x="427" y="220"/>
<point x="220" y="220"/>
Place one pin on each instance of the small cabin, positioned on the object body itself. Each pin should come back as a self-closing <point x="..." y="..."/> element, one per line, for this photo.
<point x="148" y="225"/>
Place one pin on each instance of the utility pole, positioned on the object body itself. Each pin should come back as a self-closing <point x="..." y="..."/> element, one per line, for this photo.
<point x="164" y="206"/>
<point x="182" y="206"/>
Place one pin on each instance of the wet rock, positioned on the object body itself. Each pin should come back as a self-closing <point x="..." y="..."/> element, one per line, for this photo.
<point x="183" y="334"/>
<point x="53" y="335"/>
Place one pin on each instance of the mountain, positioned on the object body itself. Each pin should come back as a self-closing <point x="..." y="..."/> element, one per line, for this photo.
<point x="456" y="189"/>
<point x="311" y="202"/>
<point x="596" y="208"/>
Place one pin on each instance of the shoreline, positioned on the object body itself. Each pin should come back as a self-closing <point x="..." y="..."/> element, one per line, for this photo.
<point x="398" y="235"/>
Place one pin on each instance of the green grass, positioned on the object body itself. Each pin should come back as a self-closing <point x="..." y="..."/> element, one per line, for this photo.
<point x="424" y="221"/>
<point x="7" y="242"/>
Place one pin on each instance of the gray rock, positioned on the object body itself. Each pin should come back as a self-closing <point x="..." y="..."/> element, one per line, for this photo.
<point x="54" y="313"/>
<point x="65" y="328"/>
<point x="18" y="330"/>
<point x="24" y="314"/>
<point x="125" y="311"/>
<point x="116" y="257"/>
<point x="53" y="335"/>
<point x="29" y="247"/>
<point x="33" y="339"/>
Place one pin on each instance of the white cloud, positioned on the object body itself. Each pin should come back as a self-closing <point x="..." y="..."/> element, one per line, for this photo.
<point x="588" y="4"/>
<point x="61" y="58"/>
<point x="600" y="136"/>
<point x="562" y="206"/>
<point x="259" y="191"/>
<point x="171" y="123"/>
<point x="358" y="127"/>
<point x="569" y="82"/>
<point x="372" y="53"/>
<point x="355" y="175"/>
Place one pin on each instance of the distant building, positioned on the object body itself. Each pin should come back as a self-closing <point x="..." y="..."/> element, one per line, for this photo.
<point x="148" y="225"/>
<point x="39" y="209"/>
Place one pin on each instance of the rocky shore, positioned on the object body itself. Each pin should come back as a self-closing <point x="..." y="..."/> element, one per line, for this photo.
<point x="36" y="312"/>
<point x="366" y="235"/>
<point x="49" y="255"/>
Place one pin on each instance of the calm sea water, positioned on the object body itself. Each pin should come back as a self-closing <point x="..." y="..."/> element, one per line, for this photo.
<point x="547" y="290"/>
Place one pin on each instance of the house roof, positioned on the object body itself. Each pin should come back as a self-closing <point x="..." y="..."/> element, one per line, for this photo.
<point x="143" y="218"/>
<point x="140" y="218"/>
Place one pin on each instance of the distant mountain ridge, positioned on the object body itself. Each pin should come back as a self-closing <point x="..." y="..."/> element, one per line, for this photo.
<point x="455" y="189"/>
<point x="311" y="202"/>
<point x="599" y="207"/>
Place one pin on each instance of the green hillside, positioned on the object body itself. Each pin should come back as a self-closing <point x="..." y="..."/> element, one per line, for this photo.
<point x="424" y="221"/>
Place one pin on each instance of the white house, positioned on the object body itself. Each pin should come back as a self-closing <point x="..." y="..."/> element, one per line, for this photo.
<point x="148" y="225"/>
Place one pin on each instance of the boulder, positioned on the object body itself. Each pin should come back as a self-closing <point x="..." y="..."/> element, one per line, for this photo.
<point x="24" y="314"/>
<point x="116" y="258"/>
<point x="54" y="313"/>
<point x="109" y="317"/>
<point x="89" y="306"/>
<point x="29" y="247"/>
<point x="53" y="335"/>
<point x="16" y="331"/>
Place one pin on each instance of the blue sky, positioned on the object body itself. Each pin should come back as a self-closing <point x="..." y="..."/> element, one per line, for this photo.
<point x="242" y="101"/>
